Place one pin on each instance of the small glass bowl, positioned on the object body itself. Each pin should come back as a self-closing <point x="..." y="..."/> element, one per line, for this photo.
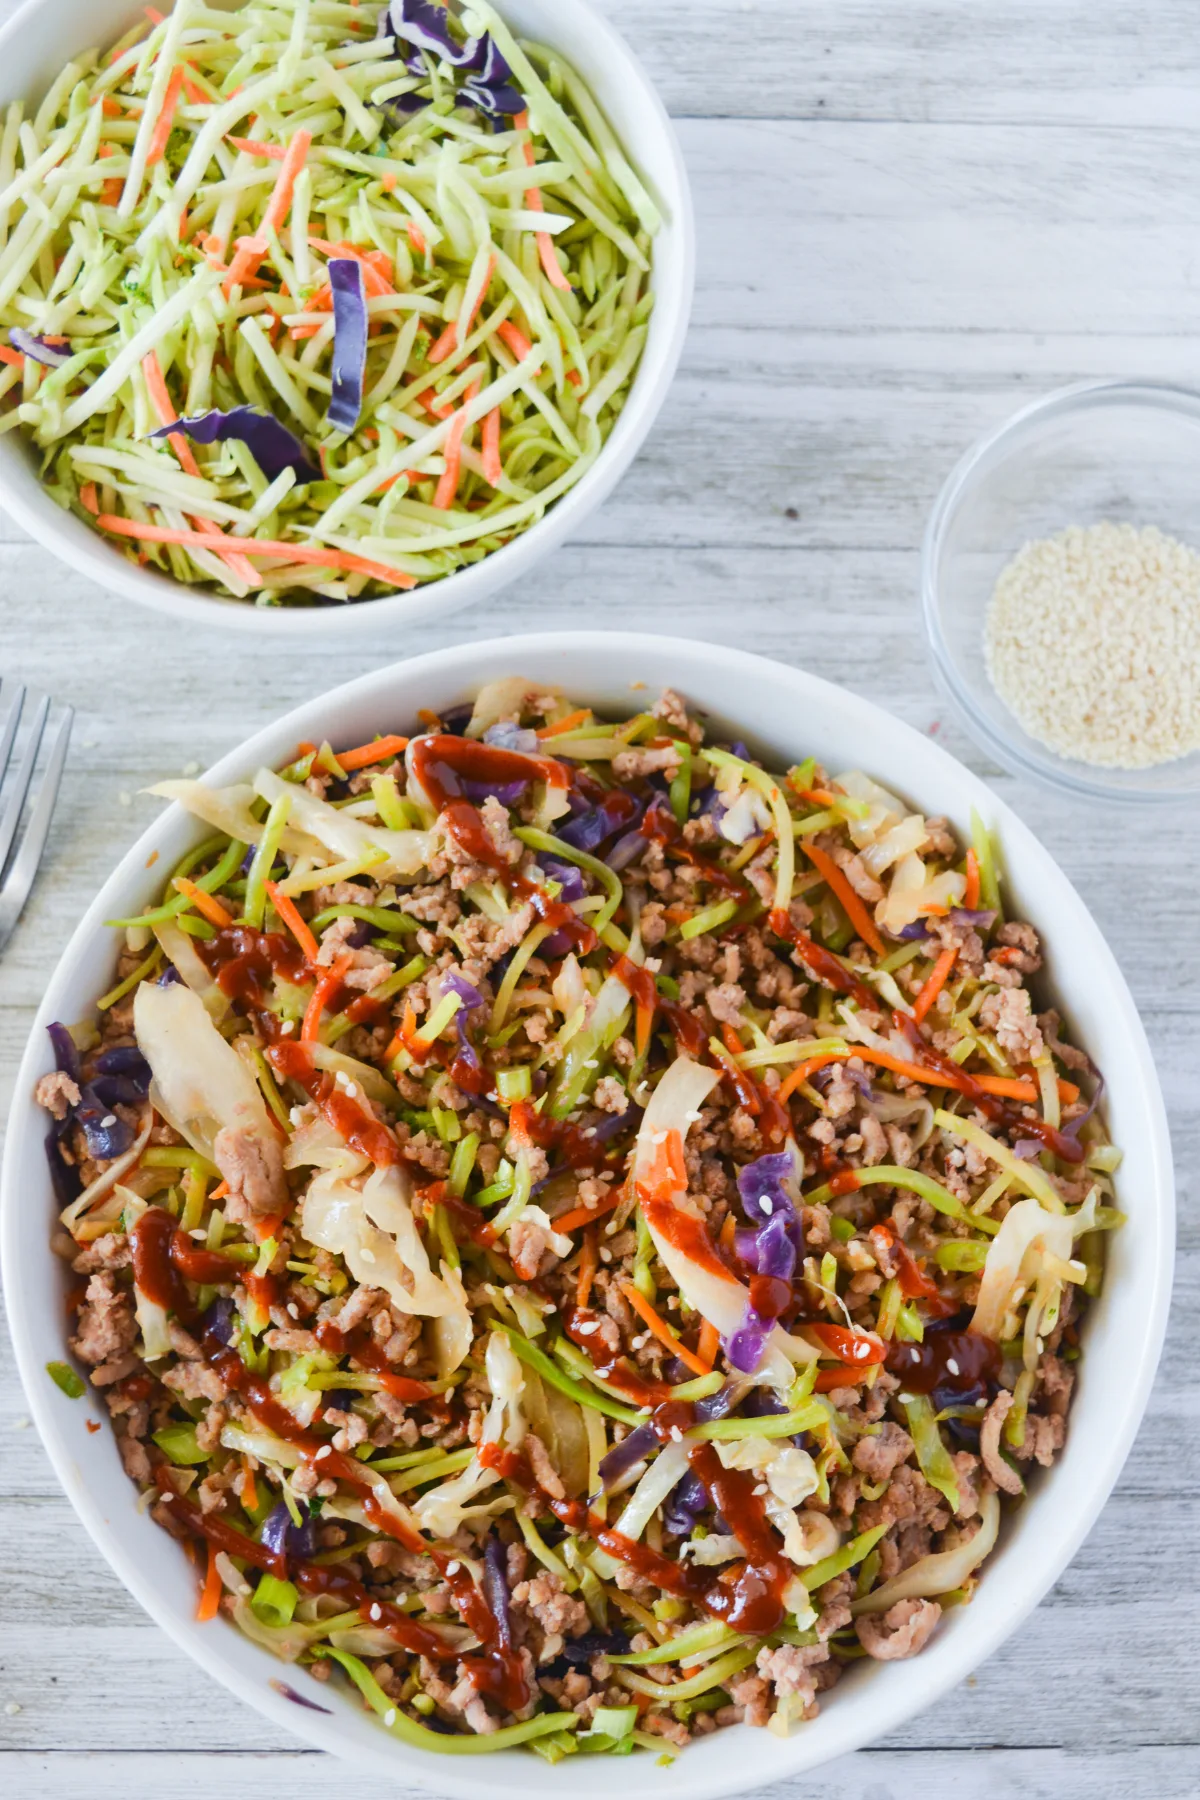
<point x="1126" y="451"/>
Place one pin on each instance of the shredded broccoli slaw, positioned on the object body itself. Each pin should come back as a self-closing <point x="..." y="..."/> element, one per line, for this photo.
<point x="400" y="247"/>
<point x="580" y="1228"/>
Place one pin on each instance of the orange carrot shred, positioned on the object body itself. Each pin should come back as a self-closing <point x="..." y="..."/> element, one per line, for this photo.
<point x="366" y="754"/>
<point x="568" y="724"/>
<point x="324" y="991"/>
<point x="255" y="147"/>
<point x="165" y="121"/>
<point x="587" y="1268"/>
<point x="210" y="1593"/>
<point x="493" y="468"/>
<point x="89" y="498"/>
<point x="13" y="357"/>
<point x="856" y="912"/>
<point x="206" y="904"/>
<point x="971" y="893"/>
<point x="709" y="1343"/>
<point x="935" y="981"/>
<point x="662" y="1331"/>
<point x="221" y="1191"/>
<point x="286" y="907"/>
<point x="587" y="1215"/>
<point x="447" y="487"/>
<point x="535" y="203"/>
<point x="212" y="539"/>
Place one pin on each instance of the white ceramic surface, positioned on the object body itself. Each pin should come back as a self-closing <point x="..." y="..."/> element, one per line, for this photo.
<point x="34" y="46"/>
<point x="785" y="714"/>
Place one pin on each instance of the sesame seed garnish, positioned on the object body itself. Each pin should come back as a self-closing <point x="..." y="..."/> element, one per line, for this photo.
<point x="953" y="1366"/>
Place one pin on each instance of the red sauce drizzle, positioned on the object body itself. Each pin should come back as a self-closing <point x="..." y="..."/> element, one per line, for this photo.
<point x="346" y="1114"/>
<point x="437" y="764"/>
<point x="244" y="962"/>
<point x="823" y="963"/>
<point x="661" y="827"/>
<point x="990" y="1105"/>
<point x="581" y="1323"/>
<point x="924" y="1367"/>
<point x="746" y="1595"/>
<point x="687" y="1233"/>
<point x="361" y="1347"/>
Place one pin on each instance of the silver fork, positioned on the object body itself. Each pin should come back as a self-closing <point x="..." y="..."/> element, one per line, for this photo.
<point x="17" y="876"/>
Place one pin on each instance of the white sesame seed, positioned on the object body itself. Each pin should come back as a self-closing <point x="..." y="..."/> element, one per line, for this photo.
<point x="12" y="1708"/>
<point x="199" y="1234"/>
<point x="292" y="1309"/>
<point x="915" y="1355"/>
<point x="108" y="1120"/>
<point x="905" y="1399"/>
<point x="323" y="1451"/>
<point x="376" y="1611"/>
<point x="389" y="1717"/>
<point x="953" y="1366"/>
<point x="286" y="1030"/>
<point x="368" y="1256"/>
<point x="589" y="1326"/>
<point x="1093" y="639"/>
<point x="452" y="1568"/>
<point x="605" y="1254"/>
<point x="768" y="1206"/>
<point x="676" y="1434"/>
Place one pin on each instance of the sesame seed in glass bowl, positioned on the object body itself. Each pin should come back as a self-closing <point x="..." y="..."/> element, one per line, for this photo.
<point x="1061" y="591"/>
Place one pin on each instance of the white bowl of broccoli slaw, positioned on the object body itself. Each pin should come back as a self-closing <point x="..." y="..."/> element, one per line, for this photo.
<point x="785" y="714"/>
<point x="287" y="342"/>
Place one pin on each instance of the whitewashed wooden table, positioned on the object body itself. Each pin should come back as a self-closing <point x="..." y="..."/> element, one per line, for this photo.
<point x="914" y="216"/>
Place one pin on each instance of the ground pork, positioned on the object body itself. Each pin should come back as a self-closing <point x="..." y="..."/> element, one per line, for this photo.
<point x="57" y="1093"/>
<point x="1001" y="1472"/>
<point x="909" y="1499"/>
<point x="559" y="1614"/>
<point x="790" y="1669"/>
<point x="725" y="1003"/>
<point x="633" y="765"/>
<point x="107" y="1326"/>
<point x="1045" y="1434"/>
<point x="253" y="1167"/>
<point x="610" y="1096"/>
<point x="529" y="1244"/>
<point x="878" y="1456"/>
<point x="901" y="1631"/>
<point x="1010" y="1016"/>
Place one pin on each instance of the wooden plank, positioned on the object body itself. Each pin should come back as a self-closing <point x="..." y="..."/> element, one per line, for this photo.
<point x="886" y="1773"/>
<point x="1044" y="61"/>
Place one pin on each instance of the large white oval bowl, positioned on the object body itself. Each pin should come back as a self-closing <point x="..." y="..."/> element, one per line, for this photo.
<point x="44" y="35"/>
<point x="785" y="714"/>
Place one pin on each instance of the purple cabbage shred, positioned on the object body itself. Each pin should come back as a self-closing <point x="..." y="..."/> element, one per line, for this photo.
<point x="506" y="734"/>
<point x="350" y="323"/>
<point x="273" y="447"/>
<point x="281" y="1534"/>
<point x="52" y="352"/>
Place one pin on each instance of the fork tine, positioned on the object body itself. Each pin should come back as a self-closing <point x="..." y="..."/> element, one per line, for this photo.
<point x="16" y="800"/>
<point x="15" y="889"/>
<point x="9" y="731"/>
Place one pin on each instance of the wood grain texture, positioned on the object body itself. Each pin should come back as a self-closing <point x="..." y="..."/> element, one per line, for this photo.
<point x="915" y="215"/>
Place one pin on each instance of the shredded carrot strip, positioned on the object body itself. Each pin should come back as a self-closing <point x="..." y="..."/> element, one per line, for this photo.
<point x="270" y="1223"/>
<point x="387" y="181"/>
<point x="855" y="911"/>
<point x="415" y="236"/>
<point x="211" y="539"/>
<point x="247" y="256"/>
<point x="366" y="754"/>
<point x="208" y="904"/>
<point x="935" y="982"/>
<point x="514" y="339"/>
<point x="210" y="1593"/>
<point x="1003" y="1087"/>
<point x="248" y="1492"/>
<point x="440" y="349"/>
<point x="568" y="724"/>
<point x="166" y="119"/>
<point x="160" y="400"/>
<point x="153" y="14"/>
<point x="220" y="1192"/>
<point x="447" y="487"/>
<point x="294" y="159"/>
<point x="493" y="468"/>
<point x="587" y="1268"/>
<point x="727" y="1234"/>
<point x="709" y="1343"/>
<point x="13" y="357"/>
<point x="89" y="498"/>
<point x="535" y="203"/>
<point x="971" y="894"/>
<point x="110" y="191"/>
<point x="324" y="991"/>
<point x="253" y="147"/>
<point x="587" y="1215"/>
<point x="195" y="93"/>
<point x="285" y="906"/>
<point x="662" y="1330"/>
<point x="802" y="1071"/>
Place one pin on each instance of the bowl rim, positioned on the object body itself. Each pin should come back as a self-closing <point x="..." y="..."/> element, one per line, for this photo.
<point x="1043" y="765"/>
<point x="93" y="557"/>
<point x="889" y="1704"/>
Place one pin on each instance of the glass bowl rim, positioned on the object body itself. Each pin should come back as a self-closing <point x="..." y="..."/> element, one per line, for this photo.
<point x="1167" y="397"/>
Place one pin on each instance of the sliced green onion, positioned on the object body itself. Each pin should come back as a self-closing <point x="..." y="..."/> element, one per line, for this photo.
<point x="420" y="1737"/>
<point x="67" y="1379"/>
